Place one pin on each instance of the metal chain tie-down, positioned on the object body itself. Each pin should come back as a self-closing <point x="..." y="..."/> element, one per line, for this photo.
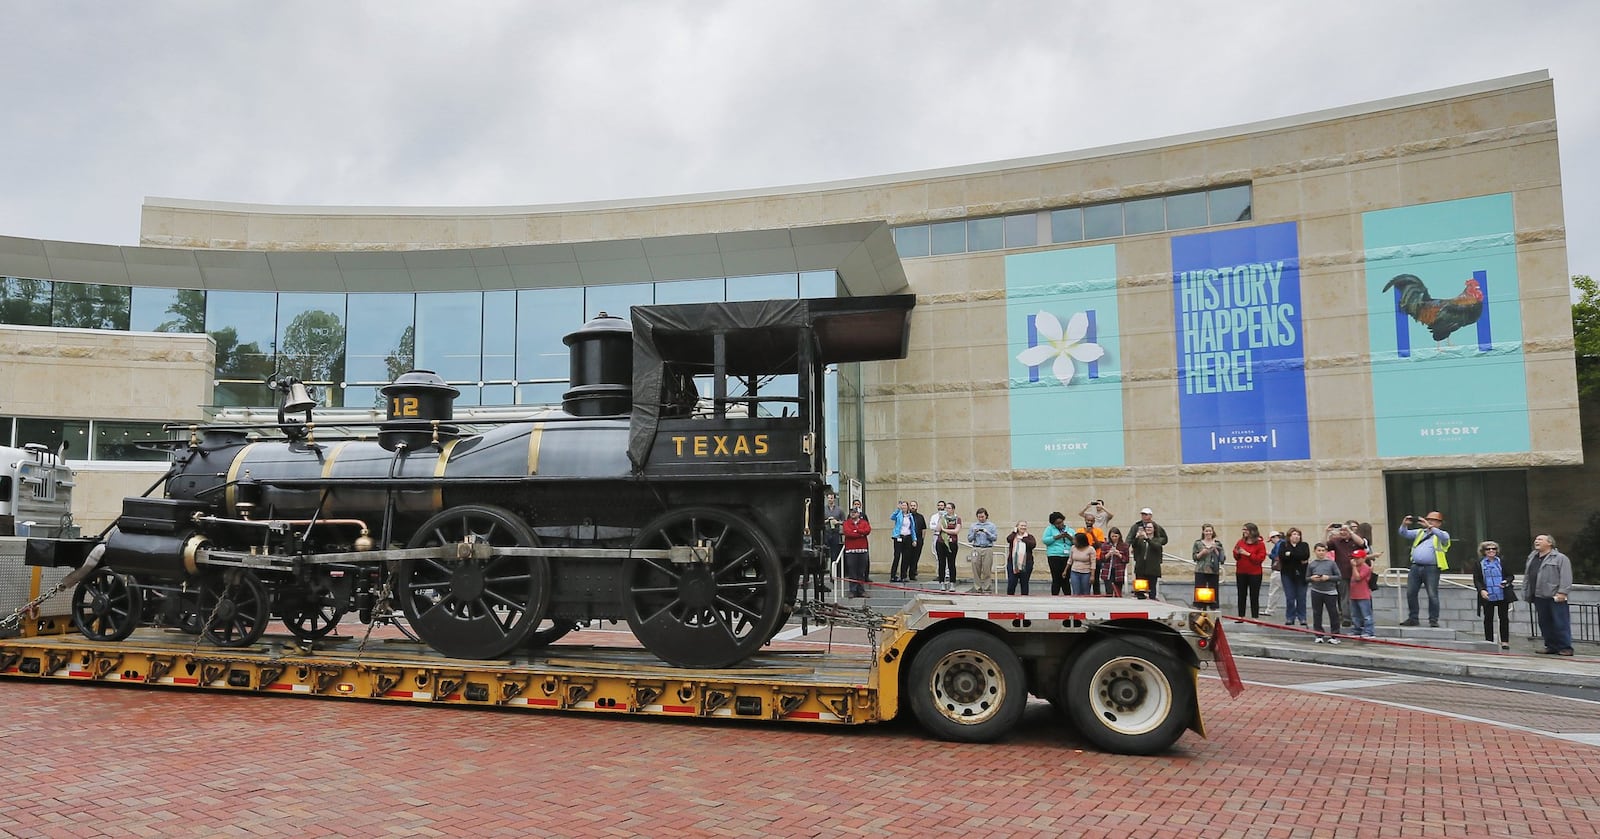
<point x="834" y="614"/>
<point x="79" y="574"/>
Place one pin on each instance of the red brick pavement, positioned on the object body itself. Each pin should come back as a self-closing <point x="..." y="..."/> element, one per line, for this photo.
<point x="85" y="760"/>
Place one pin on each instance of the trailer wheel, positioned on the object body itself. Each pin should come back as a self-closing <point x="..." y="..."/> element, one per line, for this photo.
<point x="1126" y="698"/>
<point x="967" y="685"/>
<point x="106" y="606"/>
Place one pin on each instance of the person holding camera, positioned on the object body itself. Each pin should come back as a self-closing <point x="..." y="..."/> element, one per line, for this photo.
<point x="832" y="526"/>
<point x="1429" y="542"/>
<point x="983" y="537"/>
<point x="1343" y="542"/>
<point x="1097" y="510"/>
<point x="1057" y="551"/>
<point x="1147" y="543"/>
<point x="1208" y="559"/>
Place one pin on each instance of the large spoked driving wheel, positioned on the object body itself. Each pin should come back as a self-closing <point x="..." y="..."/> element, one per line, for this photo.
<point x="716" y="606"/>
<point x="106" y="606"/>
<point x="1129" y="698"/>
<point x="474" y="608"/>
<point x="234" y="608"/>
<point x="967" y="685"/>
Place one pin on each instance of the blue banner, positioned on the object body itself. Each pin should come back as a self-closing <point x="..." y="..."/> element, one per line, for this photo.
<point x="1241" y="357"/>
<point x="1445" y="328"/>
<point x="1064" y="342"/>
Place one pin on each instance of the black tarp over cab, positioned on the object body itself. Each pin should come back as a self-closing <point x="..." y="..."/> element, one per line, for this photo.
<point x="753" y="339"/>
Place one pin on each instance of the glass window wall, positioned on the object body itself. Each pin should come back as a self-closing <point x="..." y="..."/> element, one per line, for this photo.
<point x="311" y="341"/>
<point x="1144" y="216"/>
<point x="1022" y="231"/>
<point x="122" y="440"/>
<point x="986" y="234"/>
<point x="244" y="326"/>
<point x="690" y="291"/>
<point x="24" y="302"/>
<point x="380" y="344"/>
<point x="614" y="300"/>
<point x="1180" y="211"/>
<point x="1230" y="205"/>
<point x="168" y="310"/>
<point x="1186" y="210"/>
<point x="764" y="287"/>
<point x="499" y="339"/>
<point x="911" y="241"/>
<point x="947" y="237"/>
<point x="1066" y="225"/>
<point x="86" y="306"/>
<point x="53" y="432"/>
<point x="1102" y="221"/>
<point x="544" y="317"/>
<point x="819" y="284"/>
<point x="449" y="339"/>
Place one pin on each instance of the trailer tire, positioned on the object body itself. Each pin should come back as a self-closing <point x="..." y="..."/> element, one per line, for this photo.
<point x="1127" y="698"/>
<point x="968" y="686"/>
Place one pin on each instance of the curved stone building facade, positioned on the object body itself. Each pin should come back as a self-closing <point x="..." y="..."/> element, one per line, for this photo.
<point x="1354" y="313"/>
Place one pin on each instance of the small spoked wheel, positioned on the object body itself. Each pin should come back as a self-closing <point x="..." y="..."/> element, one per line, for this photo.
<point x="106" y="607"/>
<point x="474" y="608"/>
<point x="1128" y="698"/>
<point x="310" y="610"/>
<point x="967" y="685"/>
<point x="234" y="607"/>
<point x="710" y="612"/>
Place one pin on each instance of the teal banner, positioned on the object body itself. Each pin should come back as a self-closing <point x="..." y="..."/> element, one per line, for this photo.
<point x="1445" y="329"/>
<point x="1064" y="344"/>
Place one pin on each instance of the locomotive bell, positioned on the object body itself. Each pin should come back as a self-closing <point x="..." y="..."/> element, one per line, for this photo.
<point x="601" y="370"/>
<point x="418" y="403"/>
<point x="297" y="397"/>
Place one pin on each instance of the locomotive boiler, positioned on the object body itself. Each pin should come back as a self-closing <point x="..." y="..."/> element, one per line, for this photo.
<point x="678" y="488"/>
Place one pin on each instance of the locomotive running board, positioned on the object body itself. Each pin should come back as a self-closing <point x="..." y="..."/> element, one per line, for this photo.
<point x="802" y="686"/>
<point x="450" y="552"/>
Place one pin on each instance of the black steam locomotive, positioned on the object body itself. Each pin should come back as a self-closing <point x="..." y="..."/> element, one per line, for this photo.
<point x="689" y="514"/>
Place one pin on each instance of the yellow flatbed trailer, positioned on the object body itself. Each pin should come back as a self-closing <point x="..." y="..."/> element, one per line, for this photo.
<point x="1123" y="671"/>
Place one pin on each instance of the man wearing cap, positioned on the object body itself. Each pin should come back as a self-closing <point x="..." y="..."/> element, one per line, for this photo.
<point x="1343" y="543"/>
<point x="1274" y="539"/>
<point x="1428" y="546"/>
<point x="1148" y="516"/>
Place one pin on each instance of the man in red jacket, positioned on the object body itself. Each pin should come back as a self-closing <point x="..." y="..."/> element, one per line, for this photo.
<point x="857" y="564"/>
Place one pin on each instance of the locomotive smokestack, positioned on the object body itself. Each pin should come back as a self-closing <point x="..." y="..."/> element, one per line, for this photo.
<point x="417" y="403"/>
<point x="601" y="374"/>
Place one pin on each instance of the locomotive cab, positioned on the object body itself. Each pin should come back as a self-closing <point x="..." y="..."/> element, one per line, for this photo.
<point x="753" y="373"/>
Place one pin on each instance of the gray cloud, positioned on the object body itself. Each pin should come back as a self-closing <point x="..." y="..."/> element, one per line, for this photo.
<point x="529" y="103"/>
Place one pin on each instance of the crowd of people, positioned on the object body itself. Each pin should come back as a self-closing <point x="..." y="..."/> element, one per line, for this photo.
<point x="1093" y="559"/>
<point x="1331" y="581"/>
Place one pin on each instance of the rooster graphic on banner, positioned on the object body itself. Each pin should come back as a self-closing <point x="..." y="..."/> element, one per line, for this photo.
<point x="1442" y="318"/>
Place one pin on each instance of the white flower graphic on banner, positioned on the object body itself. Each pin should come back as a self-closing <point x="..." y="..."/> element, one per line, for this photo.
<point x="1064" y="347"/>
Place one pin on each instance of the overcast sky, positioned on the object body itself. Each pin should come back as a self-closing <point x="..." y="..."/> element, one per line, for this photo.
<point x="517" y="103"/>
